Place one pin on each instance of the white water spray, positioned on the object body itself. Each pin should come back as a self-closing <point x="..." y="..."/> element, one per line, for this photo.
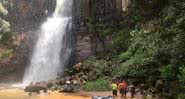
<point x="52" y="48"/>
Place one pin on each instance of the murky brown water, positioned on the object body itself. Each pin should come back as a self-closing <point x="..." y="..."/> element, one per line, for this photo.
<point x="20" y="94"/>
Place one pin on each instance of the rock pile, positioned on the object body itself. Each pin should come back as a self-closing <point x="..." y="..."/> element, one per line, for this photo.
<point x="63" y="84"/>
<point x="36" y="88"/>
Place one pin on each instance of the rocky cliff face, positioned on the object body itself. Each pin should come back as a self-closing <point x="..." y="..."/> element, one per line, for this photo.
<point x="88" y="43"/>
<point x="28" y="14"/>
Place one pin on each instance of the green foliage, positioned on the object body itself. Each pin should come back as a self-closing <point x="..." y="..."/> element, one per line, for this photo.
<point x="181" y="96"/>
<point x="123" y="69"/>
<point x="90" y="25"/>
<point x="121" y="39"/>
<point x="120" y="36"/>
<point x="149" y="42"/>
<point x="132" y="67"/>
<point x="181" y="77"/>
<point x="100" y="27"/>
<point x="97" y="85"/>
<point x="137" y="60"/>
<point x="3" y="11"/>
<point x="125" y="55"/>
<point x="5" y="32"/>
<point x="166" y="72"/>
<point x="94" y="68"/>
<point x="7" y="53"/>
<point x="144" y="42"/>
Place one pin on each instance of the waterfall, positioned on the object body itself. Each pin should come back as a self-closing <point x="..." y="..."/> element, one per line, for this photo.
<point x="52" y="49"/>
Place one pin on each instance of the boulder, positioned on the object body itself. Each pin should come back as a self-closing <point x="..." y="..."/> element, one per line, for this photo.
<point x="71" y="86"/>
<point x="36" y="88"/>
<point x="67" y="88"/>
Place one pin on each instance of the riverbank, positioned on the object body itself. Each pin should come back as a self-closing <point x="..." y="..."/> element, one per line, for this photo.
<point x="20" y="94"/>
<point x="8" y="92"/>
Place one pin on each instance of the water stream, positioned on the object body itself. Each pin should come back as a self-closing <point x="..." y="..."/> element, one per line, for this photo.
<point x="52" y="49"/>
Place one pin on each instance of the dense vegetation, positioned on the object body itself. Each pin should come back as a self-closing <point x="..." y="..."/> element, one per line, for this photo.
<point x="147" y="44"/>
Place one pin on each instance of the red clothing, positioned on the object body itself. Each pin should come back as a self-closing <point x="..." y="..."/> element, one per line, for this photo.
<point x="123" y="85"/>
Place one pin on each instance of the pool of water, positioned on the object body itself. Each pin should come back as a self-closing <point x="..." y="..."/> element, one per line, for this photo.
<point x="20" y="94"/>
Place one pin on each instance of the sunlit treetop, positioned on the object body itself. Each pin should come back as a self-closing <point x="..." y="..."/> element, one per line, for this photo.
<point x="3" y="11"/>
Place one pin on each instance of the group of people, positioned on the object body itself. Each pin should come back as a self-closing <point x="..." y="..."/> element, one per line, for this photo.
<point x="122" y="87"/>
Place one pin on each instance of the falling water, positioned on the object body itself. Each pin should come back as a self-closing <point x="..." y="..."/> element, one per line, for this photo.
<point x="52" y="49"/>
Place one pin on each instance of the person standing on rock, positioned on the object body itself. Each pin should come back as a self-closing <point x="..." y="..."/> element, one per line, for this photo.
<point x="114" y="89"/>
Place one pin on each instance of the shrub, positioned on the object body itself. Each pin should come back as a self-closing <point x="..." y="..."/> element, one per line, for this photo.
<point x="100" y="84"/>
<point x="166" y="71"/>
<point x="181" y="78"/>
<point x="125" y="56"/>
<point x="94" y="68"/>
<point x="6" y="53"/>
